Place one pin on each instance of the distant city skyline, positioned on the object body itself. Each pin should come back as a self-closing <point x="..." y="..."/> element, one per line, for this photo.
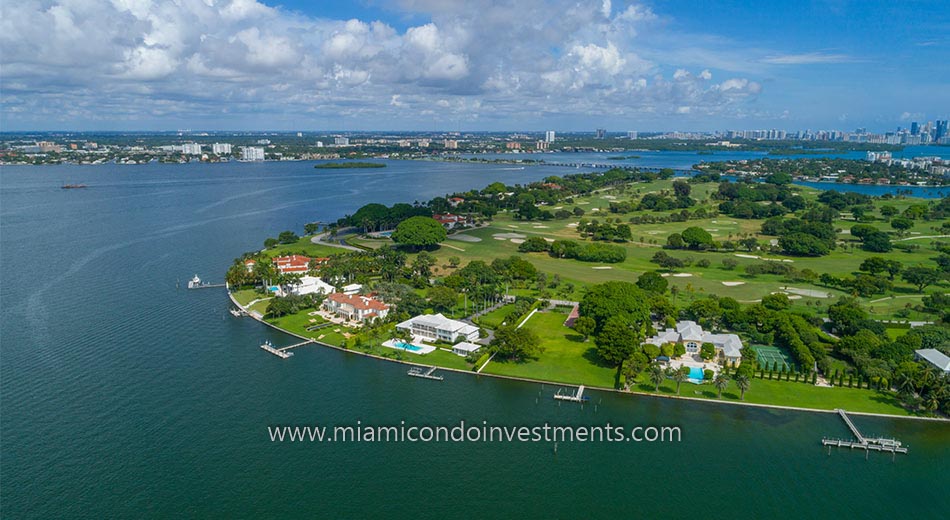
<point x="428" y="65"/>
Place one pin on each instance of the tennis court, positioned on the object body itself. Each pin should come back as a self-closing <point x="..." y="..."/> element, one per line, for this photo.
<point x="773" y="356"/>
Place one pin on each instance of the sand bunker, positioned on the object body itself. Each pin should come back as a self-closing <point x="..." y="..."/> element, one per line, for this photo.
<point x="601" y="267"/>
<point x="723" y="221"/>
<point x="506" y="236"/>
<point x="733" y="284"/>
<point x="549" y="240"/>
<point x="572" y="224"/>
<point x="539" y="227"/>
<point x="806" y="292"/>
<point x="464" y="238"/>
<point x="517" y="241"/>
<point x="682" y="275"/>
<point x="740" y="255"/>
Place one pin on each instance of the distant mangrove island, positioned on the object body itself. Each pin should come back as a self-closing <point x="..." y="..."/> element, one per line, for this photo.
<point x="354" y="164"/>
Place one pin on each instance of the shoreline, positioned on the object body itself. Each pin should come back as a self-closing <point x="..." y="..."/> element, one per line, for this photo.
<point x="590" y="387"/>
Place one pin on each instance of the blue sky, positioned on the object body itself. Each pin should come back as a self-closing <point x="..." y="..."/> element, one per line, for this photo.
<point x="472" y="65"/>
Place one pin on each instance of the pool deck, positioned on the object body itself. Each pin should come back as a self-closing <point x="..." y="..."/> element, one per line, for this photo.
<point x="423" y="349"/>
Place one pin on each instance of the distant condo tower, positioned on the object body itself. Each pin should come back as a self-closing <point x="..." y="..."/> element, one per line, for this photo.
<point x="601" y="133"/>
<point x="252" y="153"/>
<point x="549" y="136"/>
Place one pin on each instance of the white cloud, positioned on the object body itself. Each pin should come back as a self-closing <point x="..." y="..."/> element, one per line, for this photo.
<point x="809" y="58"/>
<point x="498" y="59"/>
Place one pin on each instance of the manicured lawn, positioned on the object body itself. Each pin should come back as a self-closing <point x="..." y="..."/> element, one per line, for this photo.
<point x="494" y="318"/>
<point x="298" y="323"/>
<point x="246" y="296"/>
<point x="566" y="358"/>
<point x="260" y="307"/>
<point x="305" y="247"/>
<point x="441" y="358"/>
<point x="763" y="391"/>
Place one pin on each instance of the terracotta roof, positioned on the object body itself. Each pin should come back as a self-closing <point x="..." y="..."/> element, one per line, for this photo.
<point x="358" y="302"/>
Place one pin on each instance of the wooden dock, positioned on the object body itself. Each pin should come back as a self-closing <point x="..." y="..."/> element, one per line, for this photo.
<point x="283" y="352"/>
<point x="277" y="352"/>
<point x="577" y="397"/>
<point x="425" y="373"/>
<point x="879" y="444"/>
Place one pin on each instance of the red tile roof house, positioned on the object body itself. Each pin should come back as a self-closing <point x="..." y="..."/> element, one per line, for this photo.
<point x="449" y="220"/>
<point x="293" y="264"/>
<point x="355" y="307"/>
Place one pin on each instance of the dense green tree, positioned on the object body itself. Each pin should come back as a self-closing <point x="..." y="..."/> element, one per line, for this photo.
<point x="585" y="326"/>
<point x="696" y="237"/>
<point x="707" y="351"/>
<point x="617" y="340"/>
<point x="419" y="232"/>
<point x="617" y="299"/>
<point x="901" y="224"/>
<point x="442" y="298"/>
<point x="653" y="282"/>
<point x="514" y="343"/>
<point x="921" y="276"/>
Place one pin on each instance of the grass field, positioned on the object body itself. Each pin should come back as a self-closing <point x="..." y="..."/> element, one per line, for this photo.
<point x="566" y="358"/>
<point x="782" y="393"/>
<point x="305" y="247"/>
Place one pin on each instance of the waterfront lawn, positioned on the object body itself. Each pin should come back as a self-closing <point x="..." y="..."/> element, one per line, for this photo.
<point x="246" y="296"/>
<point x="305" y="247"/>
<point x="442" y="358"/>
<point x="566" y="357"/>
<point x="782" y="393"/>
<point x="298" y="323"/>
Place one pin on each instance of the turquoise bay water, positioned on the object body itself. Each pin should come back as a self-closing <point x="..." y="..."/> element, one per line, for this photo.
<point x="122" y="396"/>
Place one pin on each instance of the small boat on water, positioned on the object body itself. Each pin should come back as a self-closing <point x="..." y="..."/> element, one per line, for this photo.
<point x="195" y="283"/>
<point x="73" y="186"/>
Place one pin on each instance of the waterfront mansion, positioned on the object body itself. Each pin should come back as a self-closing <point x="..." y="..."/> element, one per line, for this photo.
<point x="436" y="327"/>
<point x="692" y="336"/>
<point x="355" y="307"/>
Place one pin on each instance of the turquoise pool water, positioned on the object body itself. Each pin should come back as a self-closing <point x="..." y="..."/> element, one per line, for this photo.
<point x="696" y="373"/>
<point x="408" y="346"/>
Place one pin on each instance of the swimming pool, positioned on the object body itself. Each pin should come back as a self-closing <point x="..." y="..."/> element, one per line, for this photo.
<point x="273" y="288"/>
<point x="407" y="346"/>
<point x="696" y="373"/>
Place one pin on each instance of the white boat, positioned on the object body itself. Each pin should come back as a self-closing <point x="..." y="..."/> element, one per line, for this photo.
<point x="194" y="283"/>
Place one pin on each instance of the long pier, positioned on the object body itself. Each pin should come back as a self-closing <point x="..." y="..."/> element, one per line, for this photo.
<point x="424" y="372"/>
<point x="879" y="444"/>
<point x="576" y="397"/>
<point x="283" y="352"/>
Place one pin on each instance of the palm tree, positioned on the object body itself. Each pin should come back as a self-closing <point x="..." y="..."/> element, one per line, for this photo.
<point x="905" y="383"/>
<point x="930" y="402"/>
<point x="743" y="383"/>
<point x="721" y="382"/>
<point x="679" y="376"/>
<point x="656" y="376"/>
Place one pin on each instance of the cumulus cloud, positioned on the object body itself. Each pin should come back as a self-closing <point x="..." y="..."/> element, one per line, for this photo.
<point x="490" y="59"/>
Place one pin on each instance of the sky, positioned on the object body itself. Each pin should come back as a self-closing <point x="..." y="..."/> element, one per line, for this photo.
<point x="467" y="65"/>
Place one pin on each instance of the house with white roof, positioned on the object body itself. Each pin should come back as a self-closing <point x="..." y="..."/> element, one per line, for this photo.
<point x="311" y="285"/>
<point x="692" y="336"/>
<point x="437" y="327"/>
<point x="934" y="358"/>
<point x="465" y="348"/>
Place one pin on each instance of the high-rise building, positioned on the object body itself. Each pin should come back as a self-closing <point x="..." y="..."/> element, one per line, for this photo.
<point x="914" y="128"/>
<point x="549" y="136"/>
<point x="601" y="133"/>
<point x="341" y="141"/>
<point x="450" y="144"/>
<point x="940" y="129"/>
<point x="221" y="148"/>
<point x="191" y="149"/>
<point x="252" y="153"/>
<point x="632" y="134"/>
